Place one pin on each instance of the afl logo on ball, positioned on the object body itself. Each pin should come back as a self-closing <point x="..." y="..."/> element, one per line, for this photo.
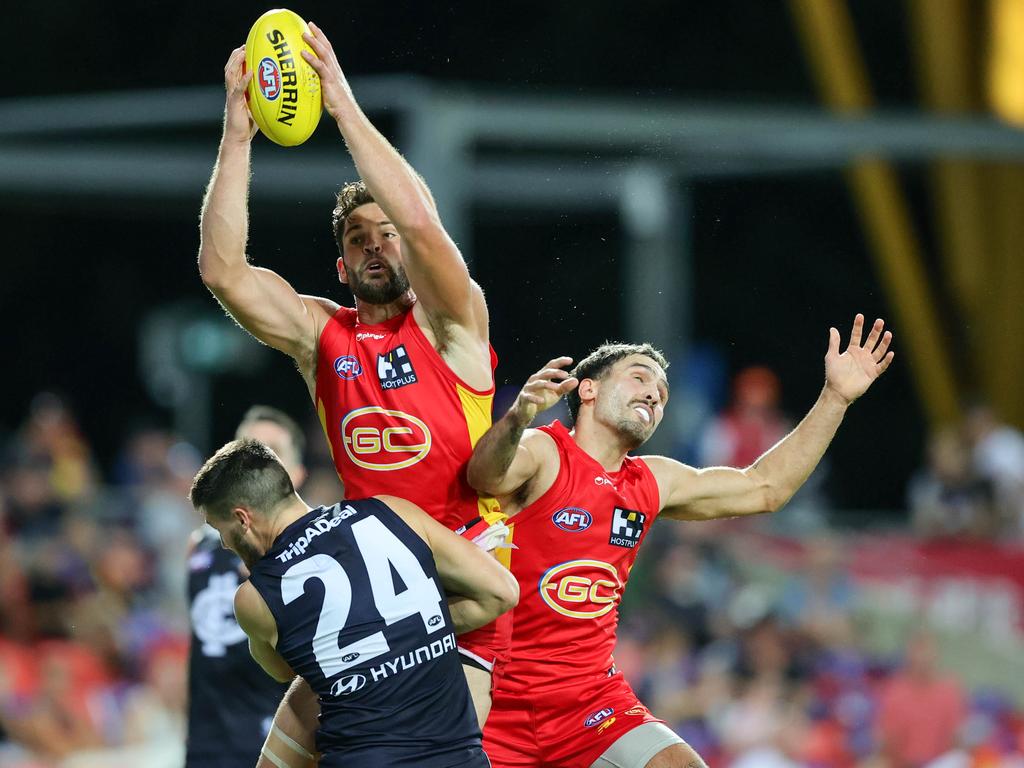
<point x="348" y="367"/>
<point x="268" y="78"/>
<point x="572" y="519"/>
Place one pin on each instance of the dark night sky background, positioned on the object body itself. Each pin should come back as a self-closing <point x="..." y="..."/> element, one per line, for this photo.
<point x="777" y="259"/>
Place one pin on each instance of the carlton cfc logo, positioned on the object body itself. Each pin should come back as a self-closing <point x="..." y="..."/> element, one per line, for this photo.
<point x="581" y="589"/>
<point x="382" y="440"/>
<point x="268" y="78"/>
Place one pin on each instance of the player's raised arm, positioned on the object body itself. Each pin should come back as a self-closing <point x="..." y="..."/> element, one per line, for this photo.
<point x="479" y="589"/>
<point x="508" y="455"/>
<point x="260" y="300"/>
<point x="255" y="618"/>
<point x="436" y="269"/>
<point x="768" y="483"/>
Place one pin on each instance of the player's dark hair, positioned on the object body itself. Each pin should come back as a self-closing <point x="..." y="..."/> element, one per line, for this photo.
<point x="350" y="197"/>
<point x="275" y="416"/>
<point x="599" y="362"/>
<point x="244" y="473"/>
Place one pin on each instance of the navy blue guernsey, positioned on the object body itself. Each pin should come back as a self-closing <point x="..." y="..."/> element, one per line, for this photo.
<point x="361" y="615"/>
<point x="231" y="699"/>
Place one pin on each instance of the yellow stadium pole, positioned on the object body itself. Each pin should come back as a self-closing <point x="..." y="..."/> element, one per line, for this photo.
<point x="1003" y="324"/>
<point x="827" y="33"/>
<point x="944" y="67"/>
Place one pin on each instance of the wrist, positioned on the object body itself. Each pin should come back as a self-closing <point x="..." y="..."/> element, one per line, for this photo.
<point x="521" y="415"/>
<point x="832" y="397"/>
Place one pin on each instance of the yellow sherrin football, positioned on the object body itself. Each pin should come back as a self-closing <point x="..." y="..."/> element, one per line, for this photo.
<point x="284" y="93"/>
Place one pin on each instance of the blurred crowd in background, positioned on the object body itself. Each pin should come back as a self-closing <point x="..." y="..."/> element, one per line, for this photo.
<point x="754" y="639"/>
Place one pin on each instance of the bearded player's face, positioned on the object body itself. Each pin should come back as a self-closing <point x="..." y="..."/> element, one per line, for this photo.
<point x="631" y="398"/>
<point x="371" y="262"/>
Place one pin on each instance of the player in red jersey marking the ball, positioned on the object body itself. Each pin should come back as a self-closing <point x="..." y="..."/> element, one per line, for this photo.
<point x="403" y="382"/>
<point x="582" y="507"/>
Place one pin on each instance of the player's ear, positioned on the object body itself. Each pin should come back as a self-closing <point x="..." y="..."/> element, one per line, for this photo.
<point x="342" y="271"/>
<point x="587" y="390"/>
<point x="243" y="516"/>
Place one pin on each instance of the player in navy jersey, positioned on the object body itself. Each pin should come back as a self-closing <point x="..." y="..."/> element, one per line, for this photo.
<point x="231" y="699"/>
<point x="349" y="598"/>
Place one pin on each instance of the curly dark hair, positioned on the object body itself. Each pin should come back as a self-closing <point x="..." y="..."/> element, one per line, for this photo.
<point x="597" y="363"/>
<point x="350" y="196"/>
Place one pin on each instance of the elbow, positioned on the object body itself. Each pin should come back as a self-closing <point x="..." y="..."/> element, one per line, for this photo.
<point x="212" y="277"/>
<point x="768" y="496"/>
<point x="508" y="594"/>
<point x="479" y="479"/>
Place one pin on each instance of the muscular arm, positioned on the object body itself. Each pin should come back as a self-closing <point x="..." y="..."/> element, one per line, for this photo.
<point x="436" y="269"/>
<point x="764" y="486"/>
<point x="258" y="623"/>
<point x="768" y="483"/>
<point x="479" y="589"/>
<point x="509" y="456"/>
<point x="260" y="300"/>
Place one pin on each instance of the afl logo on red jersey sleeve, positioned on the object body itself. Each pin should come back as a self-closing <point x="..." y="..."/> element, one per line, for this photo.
<point x="572" y="519"/>
<point x="268" y="78"/>
<point x="581" y="589"/>
<point x="383" y="440"/>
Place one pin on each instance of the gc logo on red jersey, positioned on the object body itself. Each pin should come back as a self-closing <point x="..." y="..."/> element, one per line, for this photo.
<point x="383" y="440"/>
<point x="581" y="589"/>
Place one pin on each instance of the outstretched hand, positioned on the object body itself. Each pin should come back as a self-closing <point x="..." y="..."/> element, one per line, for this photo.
<point x="851" y="373"/>
<point x="334" y="87"/>
<point x="543" y="389"/>
<point x="238" y="122"/>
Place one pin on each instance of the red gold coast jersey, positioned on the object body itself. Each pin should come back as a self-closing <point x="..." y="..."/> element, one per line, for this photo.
<point x="397" y="419"/>
<point x="574" y="548"/>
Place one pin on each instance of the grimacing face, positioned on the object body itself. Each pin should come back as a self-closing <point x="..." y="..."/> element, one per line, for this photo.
<point x="371" y="262"/>
<point x="631" y="398"/>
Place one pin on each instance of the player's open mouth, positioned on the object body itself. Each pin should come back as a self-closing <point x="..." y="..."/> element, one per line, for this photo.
<point x="644" y="412"/>
<point x="375" y="267"/>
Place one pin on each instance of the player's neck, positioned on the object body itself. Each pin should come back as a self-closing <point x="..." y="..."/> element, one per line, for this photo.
<point x="602" y="444"/>
<point x="371" y="314"/>
<point x="288" y="514"/>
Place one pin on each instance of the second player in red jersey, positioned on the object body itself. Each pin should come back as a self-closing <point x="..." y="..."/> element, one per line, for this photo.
<point x="582" y="507"/>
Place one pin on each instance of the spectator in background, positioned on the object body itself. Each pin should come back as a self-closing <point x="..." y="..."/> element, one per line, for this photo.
<point x="751" y="424"/>
<point x="818" y="600"/>
<point x="998" y="456"/>
<point x="949" y="498"/>
<point x="921" y="710"/>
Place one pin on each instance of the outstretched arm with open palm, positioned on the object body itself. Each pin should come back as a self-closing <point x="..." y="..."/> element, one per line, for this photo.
<point x="772" y="480"/>
<point x="851" y="373"/>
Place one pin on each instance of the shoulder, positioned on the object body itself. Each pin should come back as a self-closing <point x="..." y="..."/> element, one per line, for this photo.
<point x="666" y="471"/>
<point x="251" y="611"/>
<point x="410" y="513"/>
<point x="322" y="309"/>
<point x="540" y="442"/>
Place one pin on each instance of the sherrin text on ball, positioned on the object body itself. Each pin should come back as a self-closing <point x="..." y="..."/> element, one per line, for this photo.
<point x="284" y="93"/>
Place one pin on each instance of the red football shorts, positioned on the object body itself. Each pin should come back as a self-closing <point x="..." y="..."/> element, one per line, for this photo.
<point x="488" y="646"/>
<point x="565" y="727"/>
